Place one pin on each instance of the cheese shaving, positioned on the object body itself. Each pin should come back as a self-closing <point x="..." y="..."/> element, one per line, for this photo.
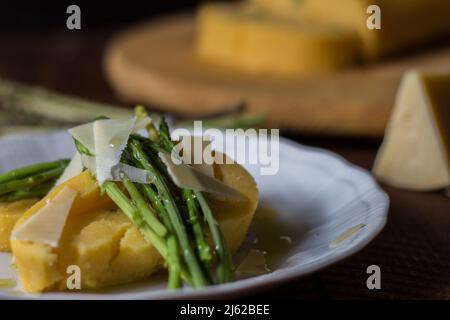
<point x="134" y="174"/>
<point x="46" y="225"/>
<point x="74" y="168"/>
<point x="185" y="176"/>
<point x="106" y="139"/>
<point x="189" y="147"/>
<point x="141" y="124"/>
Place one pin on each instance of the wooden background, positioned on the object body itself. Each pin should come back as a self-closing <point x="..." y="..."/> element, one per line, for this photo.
<point x="413" y="251"/>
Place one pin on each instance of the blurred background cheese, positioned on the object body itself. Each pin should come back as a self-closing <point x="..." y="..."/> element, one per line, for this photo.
<point x="311" y="66"/>
<point x="405" y="24"/>
<point x="416" y="150"/>
<point x="257" y="41"/>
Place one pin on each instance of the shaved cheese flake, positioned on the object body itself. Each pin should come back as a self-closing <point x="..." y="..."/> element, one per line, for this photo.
<point x="141" y="124"/>
<point x="74" y="168"/>
<point x="196" y="145"/>
<point x="85" y="135"/>
<point x="106" y="139"/>
<point x="111" y="137"/>
<point x="46" y="225"/>
<point x="134" y="174"/>
<point x="185" y="176"/>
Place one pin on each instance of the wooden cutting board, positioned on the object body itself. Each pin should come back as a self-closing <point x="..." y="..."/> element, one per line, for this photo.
<point x="154" y="63"/>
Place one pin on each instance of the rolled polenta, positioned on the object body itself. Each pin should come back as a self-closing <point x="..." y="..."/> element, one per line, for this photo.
<point x="404" y="24"/>
<point x="255" y="41"/>
<point x="106" y="246"/>
<point x="10" y="213"/>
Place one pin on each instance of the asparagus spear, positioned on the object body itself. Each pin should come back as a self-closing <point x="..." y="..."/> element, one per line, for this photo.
<point x="28" y="171"/>
<point x="203" y="248"/>
<point x="126" y="205"/>
<point x="225" y="271"/>
<point x="198" y="278"/>
<point x="166" y="144"/>
<point x="30" y="181"/>
<point x="52" y="107"/>
<point x="148" y="215"/>
<point x="173" y="262"/>
<point x="36" y="192"/>
<point x="166" y="250"/>
<point x="242" y="120"/>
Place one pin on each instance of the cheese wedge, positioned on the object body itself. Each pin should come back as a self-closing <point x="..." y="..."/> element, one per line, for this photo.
<point x="415" y="153"/>
<point x="106" y="246"/>
<point x="255" y="41"/>
<point x="10" y="212"/>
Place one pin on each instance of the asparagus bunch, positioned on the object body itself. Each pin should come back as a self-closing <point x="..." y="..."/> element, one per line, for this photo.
<point x="174" y="221"/>
<point x="195" y="199"/>
<point x="29" y="108"/>
<point x="33" y="181"/>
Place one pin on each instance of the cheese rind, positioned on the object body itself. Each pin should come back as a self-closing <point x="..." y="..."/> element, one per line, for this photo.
<point x="414" y="154"/>
<point x="256" y="41"/>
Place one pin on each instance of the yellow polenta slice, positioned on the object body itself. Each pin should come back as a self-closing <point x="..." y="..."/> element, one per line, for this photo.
<point x="10" y="212"/>
<point x="38" y="264"/>
<point x="256" y="41"/>
<point x="398" y="30"/>
<point x="107" y="247"/>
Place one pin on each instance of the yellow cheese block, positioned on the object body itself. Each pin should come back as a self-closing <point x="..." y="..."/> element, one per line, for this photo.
<point x="404" y="23"/>
<point x="255" y="41"/>
<point x="10" y="212"/>
<point x="109" y="250"/>
<point x="415" y="153"/>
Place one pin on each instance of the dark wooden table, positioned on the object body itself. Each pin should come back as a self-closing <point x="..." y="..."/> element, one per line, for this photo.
<point x="413" y="251"/>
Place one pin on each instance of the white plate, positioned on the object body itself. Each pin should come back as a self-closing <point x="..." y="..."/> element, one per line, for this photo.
<point x="317" y="194"/>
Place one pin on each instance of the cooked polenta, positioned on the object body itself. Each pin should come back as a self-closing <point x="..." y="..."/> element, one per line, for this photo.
<point x="10" y="212"/>
<point x="126" y="207"/>
<point x="103" y="242"/>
